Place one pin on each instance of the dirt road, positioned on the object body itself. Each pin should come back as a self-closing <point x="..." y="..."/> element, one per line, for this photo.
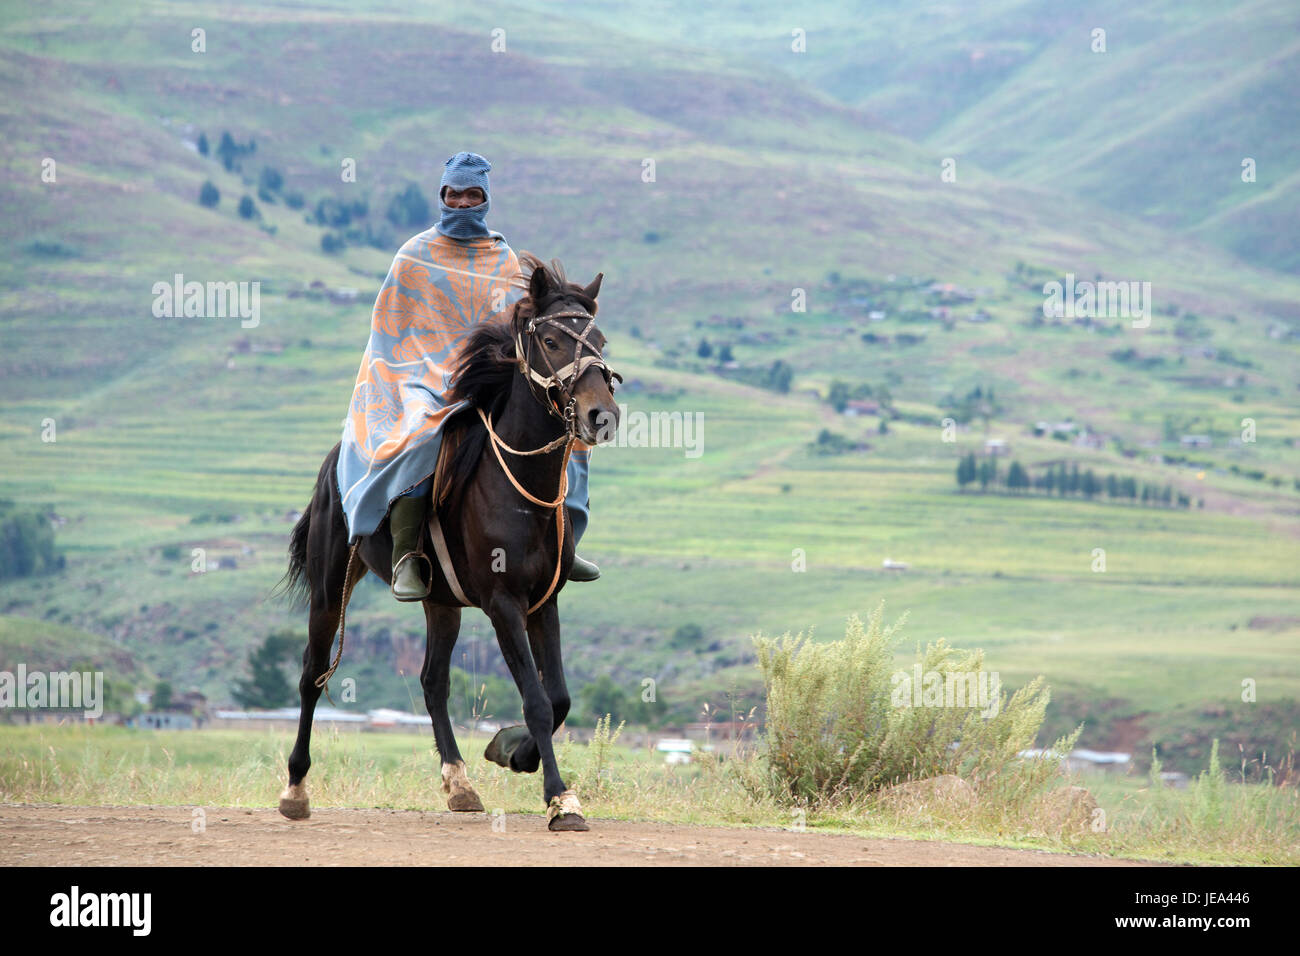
<point x="144" y="836"/>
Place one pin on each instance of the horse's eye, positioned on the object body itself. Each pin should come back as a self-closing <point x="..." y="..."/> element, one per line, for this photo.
<point x="550" y="344"/>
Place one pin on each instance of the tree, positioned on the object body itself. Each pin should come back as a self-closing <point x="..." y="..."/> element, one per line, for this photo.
<point x="603" y="697"/>
<point x="779" y="376"/>
<point x="162" y="695"/>
<point x="247" y="208"/>
<point x="26" y="543"/>
<point x="724" y="355"/>
<point x="409" y="208"/>
<point x="966" y="470"/>
<point x="331" y="212"/>
<point x="267" y="685"/>
<point x="1017" y="477"/>
<point x="703" y="351"/>
<point x="839" y="396"/>
<point x="227" y="151"/>
<point x="209" y="195"/>
<point x="203" y="144"/>
<point x="332" y="243"/>
<point x="271" y="179"/>
<point x="987" y="473"/>
<point x="1089" y="484"/>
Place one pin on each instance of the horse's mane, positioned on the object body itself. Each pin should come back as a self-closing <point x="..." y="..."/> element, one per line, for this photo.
<point x="487" y="363"/>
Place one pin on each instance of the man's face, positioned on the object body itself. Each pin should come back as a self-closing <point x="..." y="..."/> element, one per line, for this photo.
<point x="457" y="199"/>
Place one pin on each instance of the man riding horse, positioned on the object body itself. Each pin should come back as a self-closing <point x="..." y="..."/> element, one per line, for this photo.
<point x="442" y="284"/>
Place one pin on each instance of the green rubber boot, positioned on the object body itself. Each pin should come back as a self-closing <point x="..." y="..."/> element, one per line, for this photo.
<point x="583" y="570"/>
<point x="405" y="521"/>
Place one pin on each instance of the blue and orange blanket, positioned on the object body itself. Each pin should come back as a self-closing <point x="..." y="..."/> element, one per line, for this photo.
<point x="437" y="290"/>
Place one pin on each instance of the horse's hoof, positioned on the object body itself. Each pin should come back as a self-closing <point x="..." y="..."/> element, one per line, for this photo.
<point x="569" y="823"/>
<point x="505" y="743"/>
<point x="564" y="815"/>
<point x="293" y="802"/>
<point x="465" y="802"/>
<point x="455" y="783"/>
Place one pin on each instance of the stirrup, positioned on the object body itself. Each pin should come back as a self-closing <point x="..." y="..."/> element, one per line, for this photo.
<point x="396" y="567"/>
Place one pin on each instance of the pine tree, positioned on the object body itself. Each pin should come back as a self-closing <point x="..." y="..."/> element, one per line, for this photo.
<point x="267" y="685"/>
<point x="1016" y="477"/>
<point x="966" y="471"/>
<point x="1089" y="485"/>
<point x="227" y="151"/>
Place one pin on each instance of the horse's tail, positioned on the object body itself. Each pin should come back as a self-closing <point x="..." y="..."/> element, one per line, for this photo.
<point x="295" y="585"/>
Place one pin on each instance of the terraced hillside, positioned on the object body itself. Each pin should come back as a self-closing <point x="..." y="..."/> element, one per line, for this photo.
<point x="177" y="433"/>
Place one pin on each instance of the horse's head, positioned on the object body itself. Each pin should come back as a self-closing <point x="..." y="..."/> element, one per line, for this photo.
<point x="560" y="351"/>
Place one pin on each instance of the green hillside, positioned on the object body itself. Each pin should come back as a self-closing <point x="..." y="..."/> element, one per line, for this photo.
<point x="175" y="434"/>
<point x="1157" y="125"/>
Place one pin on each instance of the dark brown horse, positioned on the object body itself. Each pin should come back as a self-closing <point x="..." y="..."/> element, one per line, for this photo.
<point x="534" y="384"/>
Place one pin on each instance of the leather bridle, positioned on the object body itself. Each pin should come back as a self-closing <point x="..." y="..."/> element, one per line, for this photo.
<point x="564" y="379"/>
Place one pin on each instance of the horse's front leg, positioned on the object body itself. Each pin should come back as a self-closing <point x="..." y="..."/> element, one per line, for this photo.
<point x="544" y="639"/>
<point x="507" y="615"/>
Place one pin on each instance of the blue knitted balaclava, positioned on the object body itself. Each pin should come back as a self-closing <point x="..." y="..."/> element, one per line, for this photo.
<point x="464" y="171"/>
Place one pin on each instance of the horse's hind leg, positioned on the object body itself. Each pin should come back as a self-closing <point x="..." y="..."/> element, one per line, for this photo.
<point x="326" y="605"/>
<point x="443" y="625"/>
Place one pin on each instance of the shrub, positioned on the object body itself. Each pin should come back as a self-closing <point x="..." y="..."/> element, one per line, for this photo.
<point x="247" y="208"/>
<point x="686" y="636"/>
<point x="842" y="721"/>
<point x="52" y="248"/>
<point x="830" y="443"/>
<point x="209" y="195"/>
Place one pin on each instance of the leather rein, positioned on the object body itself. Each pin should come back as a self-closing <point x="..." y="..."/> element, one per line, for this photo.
<point x="564" y="380"/>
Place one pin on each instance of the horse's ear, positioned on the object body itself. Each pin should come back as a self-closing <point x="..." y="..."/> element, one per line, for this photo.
<point x="521" y="312"/>
<point x="539" y="283"/>
<point x="594" y="289"/>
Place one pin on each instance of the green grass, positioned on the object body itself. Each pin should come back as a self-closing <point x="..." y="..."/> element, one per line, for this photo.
<point x="76" y="765"/>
